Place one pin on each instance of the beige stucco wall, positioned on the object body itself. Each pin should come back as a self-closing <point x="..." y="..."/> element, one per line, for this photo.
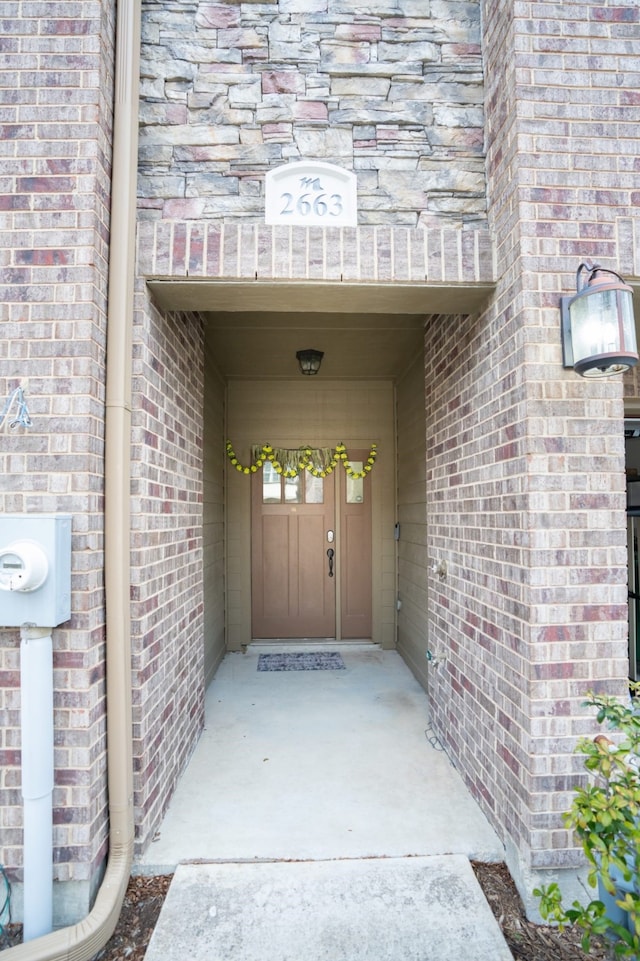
<point x="289" y="413"/>
<point x="213" y="515"/>
<point x="413" y="574"/>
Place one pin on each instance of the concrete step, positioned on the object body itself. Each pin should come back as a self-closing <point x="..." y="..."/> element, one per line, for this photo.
<point x="375" y="909"/>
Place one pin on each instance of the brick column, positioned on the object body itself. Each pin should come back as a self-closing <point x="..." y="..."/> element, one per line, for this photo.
<point x="54" y="194"/>
<point x="525" y="460"/>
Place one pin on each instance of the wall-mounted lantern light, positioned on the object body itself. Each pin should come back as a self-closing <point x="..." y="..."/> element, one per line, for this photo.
<point x="309" y="361"/>
<point x="598" y="327"/>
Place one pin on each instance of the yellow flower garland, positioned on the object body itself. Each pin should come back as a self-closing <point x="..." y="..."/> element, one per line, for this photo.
<point x="338" y="456"/>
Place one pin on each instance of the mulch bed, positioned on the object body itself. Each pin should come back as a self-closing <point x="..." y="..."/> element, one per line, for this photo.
<point x="528" y="941"/>
<point x="140" y="910"/>
<point x="142" y="904"/>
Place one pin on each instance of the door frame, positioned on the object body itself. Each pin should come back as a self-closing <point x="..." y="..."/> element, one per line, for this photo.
<point x="287" y="413"/>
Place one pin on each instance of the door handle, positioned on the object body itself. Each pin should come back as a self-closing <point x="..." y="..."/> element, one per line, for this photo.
<point x="330" y="554"/>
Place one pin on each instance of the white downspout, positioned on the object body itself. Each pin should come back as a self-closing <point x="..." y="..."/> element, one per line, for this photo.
<point x="82" y="941"/>
<point x="36" y="726"/>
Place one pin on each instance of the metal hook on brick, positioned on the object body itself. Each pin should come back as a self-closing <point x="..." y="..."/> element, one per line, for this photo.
<point x="22" y="418"/>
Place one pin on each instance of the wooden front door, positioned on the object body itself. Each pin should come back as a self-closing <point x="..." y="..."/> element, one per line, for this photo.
<point x="294" y="583"/>
<point x="293" y="588"/>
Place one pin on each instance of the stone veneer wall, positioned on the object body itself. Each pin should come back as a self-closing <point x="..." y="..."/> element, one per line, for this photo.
<point x="525" y="462"/>
<point x="167" y="607"/>
<point x="55" y="88"/>
<point x="392" y="90"/>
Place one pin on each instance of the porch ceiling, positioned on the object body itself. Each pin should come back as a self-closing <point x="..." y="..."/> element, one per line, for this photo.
<point x="366" y="331"/>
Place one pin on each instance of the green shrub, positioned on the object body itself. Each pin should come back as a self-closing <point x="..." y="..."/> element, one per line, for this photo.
<point x="605" y="816"/>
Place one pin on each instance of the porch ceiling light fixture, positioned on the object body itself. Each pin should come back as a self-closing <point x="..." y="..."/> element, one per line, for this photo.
<point x="309" y="361"/>
<point x="597" y="324"/>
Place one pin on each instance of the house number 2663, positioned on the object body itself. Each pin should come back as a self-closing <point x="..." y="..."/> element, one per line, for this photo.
<point x="310" y="194"/>
<point x="311" y="201"/>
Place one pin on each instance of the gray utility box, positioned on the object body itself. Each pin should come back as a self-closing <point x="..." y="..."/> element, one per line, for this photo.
<point x="35" y="570"/>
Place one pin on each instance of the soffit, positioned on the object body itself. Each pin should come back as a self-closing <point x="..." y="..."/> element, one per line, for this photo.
<point x="365" y="331"/>
<point x="206" y="295"/>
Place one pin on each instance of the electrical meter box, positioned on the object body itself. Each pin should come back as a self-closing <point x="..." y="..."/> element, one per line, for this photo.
<point x="35" y="570"/>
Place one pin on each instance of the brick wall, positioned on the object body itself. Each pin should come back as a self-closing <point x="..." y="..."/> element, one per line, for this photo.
<point x="230" y="90"/>
<point x="532" y="611"/>
<point x="54" y="195"/>
<point x="167" y="561"/>
<point x="526" y="461"/>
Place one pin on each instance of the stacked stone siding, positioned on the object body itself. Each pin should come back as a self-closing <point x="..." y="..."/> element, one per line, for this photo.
<point x="55" y="89"/>
<point x="395" y="93"/>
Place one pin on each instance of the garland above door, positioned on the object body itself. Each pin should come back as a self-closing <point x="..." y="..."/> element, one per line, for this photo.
<point x="319" y="461"/>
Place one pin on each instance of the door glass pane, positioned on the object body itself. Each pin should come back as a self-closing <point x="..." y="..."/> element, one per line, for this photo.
<point x="314" y="489"/>
<point x="293" y="490"/>
<point x="270" y="485"/>
<point x="355" y="485"/>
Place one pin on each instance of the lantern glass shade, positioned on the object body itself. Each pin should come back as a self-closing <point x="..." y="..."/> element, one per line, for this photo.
<point x="309" y="361"/>
<point x="599" y="336"/>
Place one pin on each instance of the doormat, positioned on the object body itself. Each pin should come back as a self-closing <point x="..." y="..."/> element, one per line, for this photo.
<point x="301" y="661"/>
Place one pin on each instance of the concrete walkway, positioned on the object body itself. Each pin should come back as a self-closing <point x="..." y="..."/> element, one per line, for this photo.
<point x="405" y="909"/>
<point x="332" y="770"/>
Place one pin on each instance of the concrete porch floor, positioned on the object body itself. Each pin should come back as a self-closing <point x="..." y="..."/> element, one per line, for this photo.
<point x="316" y="821"/>
<point x="318" y="765"/>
